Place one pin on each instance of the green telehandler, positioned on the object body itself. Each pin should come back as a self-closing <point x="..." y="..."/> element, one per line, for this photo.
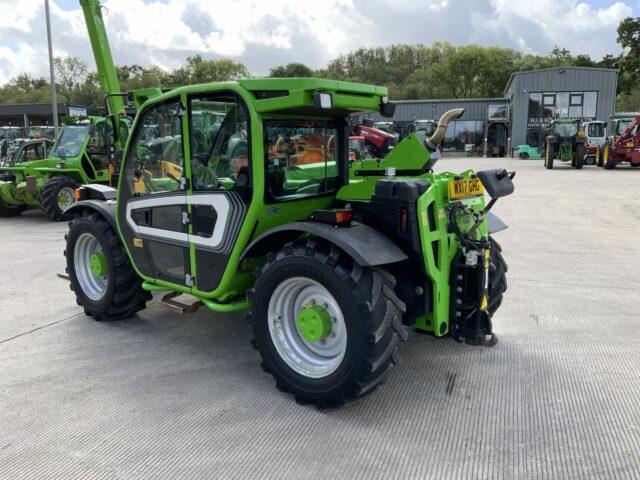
<point x="80" y="154"/>
<point x="335" y="259"/>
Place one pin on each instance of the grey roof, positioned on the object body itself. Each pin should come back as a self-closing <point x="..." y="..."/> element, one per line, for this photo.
<point x="540" y="70"/>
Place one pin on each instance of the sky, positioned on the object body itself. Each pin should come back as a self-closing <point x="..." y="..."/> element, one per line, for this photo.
<point x="263" y="34"/>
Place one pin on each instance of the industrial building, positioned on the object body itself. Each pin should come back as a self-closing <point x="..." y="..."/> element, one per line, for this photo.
<point x="498" y="125"/>
<point x="29" y="115"/>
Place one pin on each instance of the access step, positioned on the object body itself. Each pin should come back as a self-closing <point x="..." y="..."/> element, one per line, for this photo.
<point x="176" y="306"/>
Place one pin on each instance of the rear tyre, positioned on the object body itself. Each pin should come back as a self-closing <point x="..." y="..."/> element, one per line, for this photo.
<point x="497" y="277"/>
<point x="56" y="196"/>
<point x="101" y="274"/>
<point x="579" y="161"/>
<point x="365" y="323"/>
<point x="524" y="155"/>
<point x="548" y="157"/>
<point x="7" y="210"/>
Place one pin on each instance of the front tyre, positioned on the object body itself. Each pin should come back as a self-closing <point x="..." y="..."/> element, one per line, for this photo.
<point x="8" y="210"/>
<point x="56" y="196"/>
<point x="326" y="328"/>
<point x="101" y="274"/>
<point x="606" y="158"/>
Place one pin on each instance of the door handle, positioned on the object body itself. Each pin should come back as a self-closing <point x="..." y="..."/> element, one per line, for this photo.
<point x="142" y="217"/>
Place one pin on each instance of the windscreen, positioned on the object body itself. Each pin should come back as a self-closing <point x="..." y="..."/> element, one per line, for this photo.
<point x="71" y="140"/>
<point x="596" y="130"/>
<point x="622" y="126"/>
<point x="565" y="129"/>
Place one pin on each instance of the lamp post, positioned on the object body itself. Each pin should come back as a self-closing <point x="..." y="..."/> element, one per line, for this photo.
<point x="54" y="100"/>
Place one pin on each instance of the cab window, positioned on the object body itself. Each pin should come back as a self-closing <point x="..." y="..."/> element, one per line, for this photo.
<point x="34" y="151"/>
<point x="219" y="143"/>
<point x="155" y="159"/>
<point x="301" y="158"/>
<point x="596" y="130"/>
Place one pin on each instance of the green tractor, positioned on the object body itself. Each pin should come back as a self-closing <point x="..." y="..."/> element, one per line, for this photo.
<point x="335" y="259"/>
<point x="565" y="141"/>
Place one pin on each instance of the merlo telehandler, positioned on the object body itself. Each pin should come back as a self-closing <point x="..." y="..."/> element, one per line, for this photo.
<point x="336" y="259"/>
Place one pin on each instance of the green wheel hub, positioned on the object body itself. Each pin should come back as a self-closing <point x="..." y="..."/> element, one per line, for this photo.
<point x="314" y="323"/>
<point x="98" y="264"/>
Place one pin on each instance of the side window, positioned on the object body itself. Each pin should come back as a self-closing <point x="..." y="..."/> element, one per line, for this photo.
<point x="155" y="160"/>
<point x="300" y="158"/>
<point x="219" y="142"/>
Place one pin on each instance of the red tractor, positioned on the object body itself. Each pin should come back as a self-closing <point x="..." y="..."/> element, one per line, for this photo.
<point x="625" y="147"/>
<point x="377" y="141"/>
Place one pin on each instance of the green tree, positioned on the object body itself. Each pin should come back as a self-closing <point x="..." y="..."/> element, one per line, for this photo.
<point x="70" y="73"/>
<point x="290" y="70"/>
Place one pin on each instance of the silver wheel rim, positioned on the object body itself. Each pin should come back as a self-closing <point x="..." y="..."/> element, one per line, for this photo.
<point x="313" y="360"/>
<point x="92" y="286"/>
<point x="66" y="197"/>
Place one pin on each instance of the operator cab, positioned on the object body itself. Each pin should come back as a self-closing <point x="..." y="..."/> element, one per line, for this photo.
<point x="188" y="176"/>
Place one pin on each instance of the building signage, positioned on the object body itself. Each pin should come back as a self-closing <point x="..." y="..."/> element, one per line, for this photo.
<point x="77" y="112"/>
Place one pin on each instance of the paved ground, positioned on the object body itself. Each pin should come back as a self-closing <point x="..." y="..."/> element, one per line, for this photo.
<point x="162" y="396"/>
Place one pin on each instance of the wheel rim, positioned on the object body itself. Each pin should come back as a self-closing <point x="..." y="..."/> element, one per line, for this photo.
<point x="91" y="266"/>
<point x="66" y="197"/>
<point x="311" y="359"/>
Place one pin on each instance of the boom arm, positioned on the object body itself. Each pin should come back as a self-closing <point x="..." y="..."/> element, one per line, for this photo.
<point x="624" y="136"/>
<point x="102" y="54"/>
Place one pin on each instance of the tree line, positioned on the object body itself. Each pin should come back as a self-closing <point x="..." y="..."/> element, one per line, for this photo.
<point x="411" y="72"/>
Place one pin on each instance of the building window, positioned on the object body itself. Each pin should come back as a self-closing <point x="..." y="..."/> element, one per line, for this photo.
<point x="544" y="106"/>
<point x="590" y="101"/>
<point x="576" y="100"/>
<point x="461" y="133"/>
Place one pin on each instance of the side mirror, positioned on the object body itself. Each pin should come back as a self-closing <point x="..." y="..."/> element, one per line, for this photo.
<point x="497" y="182"/>
<point x="387" y="109"/>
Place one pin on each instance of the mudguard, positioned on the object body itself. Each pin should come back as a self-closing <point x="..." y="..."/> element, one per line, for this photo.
<point x="365" y="245"/>
<point x="495" y="224"/>
<point x="106" y="208"/>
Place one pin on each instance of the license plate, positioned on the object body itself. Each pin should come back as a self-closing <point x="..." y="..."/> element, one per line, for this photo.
<point x="466" y="187"/>
<point x="629" y="144"/>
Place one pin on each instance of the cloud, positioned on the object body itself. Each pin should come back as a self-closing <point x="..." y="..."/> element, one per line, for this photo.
<point x="263" y="34"/>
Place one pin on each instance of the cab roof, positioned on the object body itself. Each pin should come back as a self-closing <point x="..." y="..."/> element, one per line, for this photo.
<point x="291" y="95"/>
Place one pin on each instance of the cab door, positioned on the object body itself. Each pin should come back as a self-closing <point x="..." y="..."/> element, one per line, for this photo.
<point x="219" y="150"/>
<point x="152" y="206"/>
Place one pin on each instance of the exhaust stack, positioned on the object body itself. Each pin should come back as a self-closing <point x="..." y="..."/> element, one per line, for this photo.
<point x="437" y="137"/>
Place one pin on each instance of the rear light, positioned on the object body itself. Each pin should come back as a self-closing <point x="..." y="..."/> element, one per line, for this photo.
<point x="403" y="220"/>
<point x="343" y="216"/>
<point x="340" y="217"/>
<point x="80" y="193"/>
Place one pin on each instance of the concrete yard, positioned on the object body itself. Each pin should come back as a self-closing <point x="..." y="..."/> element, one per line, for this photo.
<point x="165" y="396"/>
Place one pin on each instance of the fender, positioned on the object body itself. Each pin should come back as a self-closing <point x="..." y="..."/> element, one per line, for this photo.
<point x="365" y="245"/>
<point x="495" y="224"/>
<point x="106" y="208"/>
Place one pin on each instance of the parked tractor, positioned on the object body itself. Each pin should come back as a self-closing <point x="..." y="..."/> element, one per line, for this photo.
<point x="336" y="260"/>
<point x="425" y="127"/>
<point x="625" y="148"/>
<point x="378" y="142"/>
<point x="595" y="137"/>
<point x="565" y="141"/>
